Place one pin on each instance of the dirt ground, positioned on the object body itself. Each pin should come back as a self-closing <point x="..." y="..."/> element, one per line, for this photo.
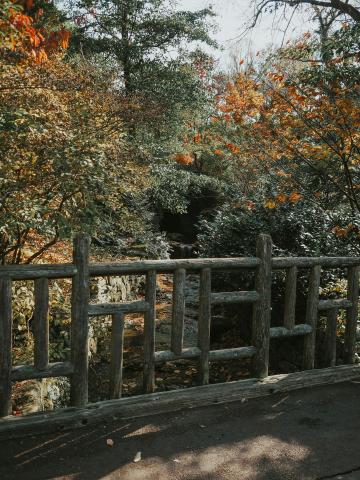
<point x="312" y="434"/>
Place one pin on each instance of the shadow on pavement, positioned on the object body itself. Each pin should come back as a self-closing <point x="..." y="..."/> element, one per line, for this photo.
<point x="308" y="434"/>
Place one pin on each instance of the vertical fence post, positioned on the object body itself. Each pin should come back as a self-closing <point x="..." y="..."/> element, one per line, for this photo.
<point x="312" y="306"/>
<point x="149" y="333"/>
<point x="80" y="322"/>
<point x="41" y="323"/>
<point x="204" y="325"/>
<point x="290" y="298"/>
<point x="351" y="314"/>
<point x="117" y="352"/>
<point x="262" y="308"/>
<point x="178" y="313"/>
<point x="5" y="346"/>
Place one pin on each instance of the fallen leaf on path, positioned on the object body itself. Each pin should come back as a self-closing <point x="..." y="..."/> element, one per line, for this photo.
<point x="137" y="457"/>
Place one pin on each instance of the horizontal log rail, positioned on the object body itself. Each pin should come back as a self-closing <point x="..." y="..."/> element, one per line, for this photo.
<point x="31" y="272"/>
<point x="334" y="304"/>
<point x="81" y="271"/>
<point x="100" y="309"/>
<point x="28" y="372"/>
<point x="281" y="263"/>
<point x="283" y="332"/>
<point x="214" y="355"/>
<point x="232" y="353"/>
<point x="163" y="266"/>
<point x="58" y="271"/>
<point x="234" y="297"/>
<point x="169" y="356"/>
<point x="172" y="401"/>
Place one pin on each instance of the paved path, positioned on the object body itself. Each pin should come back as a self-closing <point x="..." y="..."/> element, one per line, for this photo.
<point x="312" y="434"/>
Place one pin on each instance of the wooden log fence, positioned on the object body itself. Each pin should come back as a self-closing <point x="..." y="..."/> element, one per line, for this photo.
<point x="81" y="271"/>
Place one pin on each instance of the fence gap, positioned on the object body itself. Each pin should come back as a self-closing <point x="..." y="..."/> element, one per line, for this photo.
<point x="330" y="338"/>
<point x="117" y="354"/>
<point x="290" y="298"/>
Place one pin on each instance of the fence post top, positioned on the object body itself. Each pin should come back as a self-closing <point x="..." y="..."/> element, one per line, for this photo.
<point x="82" y="237"/>
<point x="265" y="237"/>
<point x="264" y="244"/>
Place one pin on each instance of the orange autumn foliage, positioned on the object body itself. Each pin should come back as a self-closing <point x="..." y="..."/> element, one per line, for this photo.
<point x="281" y="198"/>
<point x="295" y="197"/>
<point x="20" y="34"/>
<point x="285" y="125"/>
<point x="184" y="158"/>
<point x="233" y="148"/>
<point x="197" y="138"/>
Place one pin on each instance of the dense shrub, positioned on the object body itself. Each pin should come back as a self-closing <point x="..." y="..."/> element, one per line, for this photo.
<point x="297" y="229"/>
<point x="174" y="187"/>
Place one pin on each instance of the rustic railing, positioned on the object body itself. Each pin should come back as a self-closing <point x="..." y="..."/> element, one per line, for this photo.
<point x="80" y="271"/>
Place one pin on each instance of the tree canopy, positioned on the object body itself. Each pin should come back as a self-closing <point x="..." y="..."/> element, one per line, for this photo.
<point x="112" y="111"/>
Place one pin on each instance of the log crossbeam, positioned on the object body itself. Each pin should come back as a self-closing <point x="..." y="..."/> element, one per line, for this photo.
<point x="118" y="308"/>
<point x="234" y="297"/>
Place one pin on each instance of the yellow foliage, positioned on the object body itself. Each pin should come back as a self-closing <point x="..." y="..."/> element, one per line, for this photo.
<point x="270" y="204"/>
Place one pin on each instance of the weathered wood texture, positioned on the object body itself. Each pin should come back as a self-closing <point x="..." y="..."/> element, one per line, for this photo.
<point x="262" y="308"/>
<point x="204" y="325"/>
<point x="311" y="317"/>
<point x="279" y="263"/>
<point x="330" y="338"/>
<point x="117" y="349"/>
<point x="169" y="356"/>
<point x="80" y="322"/>
<point x="234" y="297"/>
<point x="298" y="330"/>
<point x="28" y="372"/>
<point x="335" y="304"/>
<point x="231" y="353"/>
<point x="80" y="271"/>
<point x="157" y="403"/>
<point x="290" y="298"/>
<point x="149" y="333"/>
<point x="41" y="323"/>
<point x="162" y="266"/>
<point x="31" y="272"/>
<point x="214" y="355"/>
<point x="100" y="309"/>
<point x="5" y="346"/>
<point x="352" y="314"/>
<point x="178" y="311"/>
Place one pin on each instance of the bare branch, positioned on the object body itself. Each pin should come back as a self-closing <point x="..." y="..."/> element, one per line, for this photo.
<point x="344" y="7"/>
